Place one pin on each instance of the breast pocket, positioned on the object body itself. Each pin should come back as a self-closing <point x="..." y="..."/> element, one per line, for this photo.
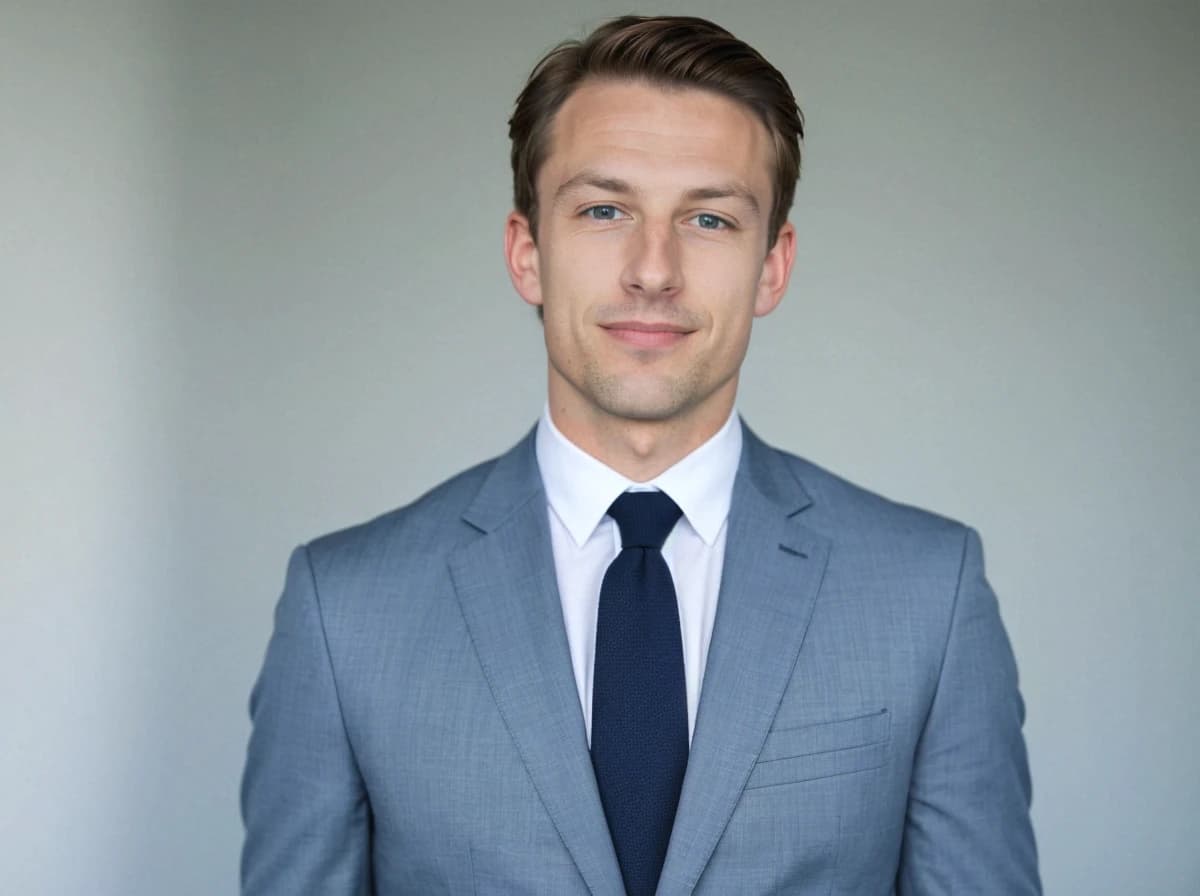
<point x="822" y="750"/>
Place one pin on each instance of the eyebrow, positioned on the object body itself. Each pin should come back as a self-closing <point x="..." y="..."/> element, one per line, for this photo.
<point x="588" y="178"/>
<point x="725" y="191"/>
<point x="594" y="179"/>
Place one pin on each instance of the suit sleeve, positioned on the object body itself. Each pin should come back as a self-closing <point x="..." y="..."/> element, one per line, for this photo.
<point x="303" y="801"/>
<point x="968" y="828"/>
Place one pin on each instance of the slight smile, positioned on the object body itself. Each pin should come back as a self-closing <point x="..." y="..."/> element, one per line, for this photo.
<point x="646" y="335"/>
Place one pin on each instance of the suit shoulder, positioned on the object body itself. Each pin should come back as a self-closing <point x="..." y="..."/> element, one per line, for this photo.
<point x="845" y="502"/>
<point x="432" y="522"/>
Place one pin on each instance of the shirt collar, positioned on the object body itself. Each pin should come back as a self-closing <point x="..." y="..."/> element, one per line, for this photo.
<point x="580" y="488"/>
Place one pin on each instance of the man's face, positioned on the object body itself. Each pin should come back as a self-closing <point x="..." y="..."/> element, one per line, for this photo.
<point x="651" y="257"/>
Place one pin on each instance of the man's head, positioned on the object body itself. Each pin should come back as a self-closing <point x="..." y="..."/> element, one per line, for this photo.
<point x="668" y="51"/>
<point x="654" y="164"/>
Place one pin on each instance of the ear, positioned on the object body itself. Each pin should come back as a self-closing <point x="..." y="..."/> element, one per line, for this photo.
<point x="776" y="271"/>
<point x="521" y="256"/>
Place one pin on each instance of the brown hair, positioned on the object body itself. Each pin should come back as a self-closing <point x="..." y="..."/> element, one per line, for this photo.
<point x="670" y="50"/>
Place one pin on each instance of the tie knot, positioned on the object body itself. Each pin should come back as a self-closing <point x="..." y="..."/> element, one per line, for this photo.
<point x="644" y="518"/>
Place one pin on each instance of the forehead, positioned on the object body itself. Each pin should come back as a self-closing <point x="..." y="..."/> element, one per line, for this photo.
<point x="656" y="136"/>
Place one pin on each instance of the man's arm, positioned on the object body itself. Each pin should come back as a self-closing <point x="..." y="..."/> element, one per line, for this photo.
<point x="303" y="802"/>
<point x="968" y="828"/>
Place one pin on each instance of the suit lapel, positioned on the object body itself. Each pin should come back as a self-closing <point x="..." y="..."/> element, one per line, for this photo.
<point x="771" y="574"/>
<point x="506" y="586"/>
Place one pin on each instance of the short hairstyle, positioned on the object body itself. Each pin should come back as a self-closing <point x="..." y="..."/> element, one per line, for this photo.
<point x="673" y="51"/>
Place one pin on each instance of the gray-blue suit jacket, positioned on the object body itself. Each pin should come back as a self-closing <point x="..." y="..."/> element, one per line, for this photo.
<point x="417" y="729"/>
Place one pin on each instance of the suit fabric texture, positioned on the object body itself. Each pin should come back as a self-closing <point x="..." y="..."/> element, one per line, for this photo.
<point x="417" y="729"/>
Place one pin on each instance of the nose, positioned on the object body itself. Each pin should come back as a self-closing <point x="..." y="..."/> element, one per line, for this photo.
<point x="653" y="268"/>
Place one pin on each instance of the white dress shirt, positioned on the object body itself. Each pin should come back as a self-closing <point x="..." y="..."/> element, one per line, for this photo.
<point x="579" y="491"/>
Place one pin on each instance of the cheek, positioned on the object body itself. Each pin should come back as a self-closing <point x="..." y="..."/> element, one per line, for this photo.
<point x="580" y="260"/>
<point x="563" y="309"/>
<point x="561" y="288"/>
<point x="736" y="335"/>
<point x="728" y="287"/>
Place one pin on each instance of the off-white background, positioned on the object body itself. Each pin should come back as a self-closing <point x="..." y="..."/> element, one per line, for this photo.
<point x="252" y="291"/>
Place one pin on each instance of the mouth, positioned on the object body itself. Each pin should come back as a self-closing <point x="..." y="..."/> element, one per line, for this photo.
<point x="643" y="334"/>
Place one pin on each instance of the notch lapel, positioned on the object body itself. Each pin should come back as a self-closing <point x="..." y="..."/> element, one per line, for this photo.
<point x="508" y="592"/>
<point x="771" y="574"/>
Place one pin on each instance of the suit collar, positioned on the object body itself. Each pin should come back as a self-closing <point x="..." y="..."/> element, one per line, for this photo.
<point x="515" y="479"/>
<point x="512" y="481"/>
<point x="767" y="472"/>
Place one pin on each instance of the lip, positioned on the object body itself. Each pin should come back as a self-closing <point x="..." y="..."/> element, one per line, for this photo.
<point x="644" y="334"/>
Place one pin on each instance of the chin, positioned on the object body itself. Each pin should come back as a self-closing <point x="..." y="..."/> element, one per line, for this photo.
<point x="664" y="401"/>
<point x="645" y="414"/>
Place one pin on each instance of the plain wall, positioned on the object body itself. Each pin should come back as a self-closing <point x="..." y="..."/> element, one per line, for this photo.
<point x="253" y="291"/>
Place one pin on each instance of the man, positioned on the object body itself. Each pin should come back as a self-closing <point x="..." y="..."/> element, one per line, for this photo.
<point x="642" y="651"/>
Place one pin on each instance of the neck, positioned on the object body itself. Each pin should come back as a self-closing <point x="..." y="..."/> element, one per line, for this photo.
<point x="640" y="449"/>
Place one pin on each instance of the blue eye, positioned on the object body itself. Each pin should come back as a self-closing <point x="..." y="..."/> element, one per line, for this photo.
<point x="602" y="212"/>
<point x="710" y="222"/>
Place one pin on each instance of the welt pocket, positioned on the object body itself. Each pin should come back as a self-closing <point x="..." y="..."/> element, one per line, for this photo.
<point x="822" y="750"/>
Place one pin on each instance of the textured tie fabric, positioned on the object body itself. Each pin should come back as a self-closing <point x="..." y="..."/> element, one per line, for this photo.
<point x="639" y="696"/>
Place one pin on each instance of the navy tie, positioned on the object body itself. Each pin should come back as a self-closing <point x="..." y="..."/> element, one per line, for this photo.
<point x="639" y="698"/>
